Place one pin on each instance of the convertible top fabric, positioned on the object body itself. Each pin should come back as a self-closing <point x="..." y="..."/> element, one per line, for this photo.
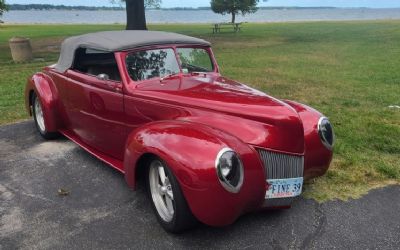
<point x="112" y="41"/>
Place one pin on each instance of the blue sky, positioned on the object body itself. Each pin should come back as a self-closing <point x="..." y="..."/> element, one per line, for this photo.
<point x="198" y="3"/>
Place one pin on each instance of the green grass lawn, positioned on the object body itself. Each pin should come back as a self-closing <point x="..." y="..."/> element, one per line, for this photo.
<point x="348" y="70"/>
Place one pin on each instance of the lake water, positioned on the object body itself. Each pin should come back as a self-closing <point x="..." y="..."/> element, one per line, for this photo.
<point x="198" y="16"/>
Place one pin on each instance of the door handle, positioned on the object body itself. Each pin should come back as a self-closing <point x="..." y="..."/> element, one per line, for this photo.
<point x="118" y="88"/>
<point x="111" y="85"/>
<point x="114" y="86"/>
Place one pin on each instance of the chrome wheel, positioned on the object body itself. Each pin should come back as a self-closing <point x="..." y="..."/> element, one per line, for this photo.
<point x="161" y="191"/>
<point x="39" y="115"/>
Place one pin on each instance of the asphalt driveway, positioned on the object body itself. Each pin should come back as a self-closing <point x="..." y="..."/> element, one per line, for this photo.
<point x="101" y="212"/>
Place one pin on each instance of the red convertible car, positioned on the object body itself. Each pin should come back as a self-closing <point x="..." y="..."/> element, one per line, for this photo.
<point x="154" y="106"/>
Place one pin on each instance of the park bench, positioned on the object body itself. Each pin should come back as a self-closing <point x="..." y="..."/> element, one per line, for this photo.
<point x="218" y="26"/>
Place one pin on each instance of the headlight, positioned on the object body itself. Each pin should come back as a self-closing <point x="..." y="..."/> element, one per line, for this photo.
<point x="325" y="132"/>
<point x="229" y="170"/>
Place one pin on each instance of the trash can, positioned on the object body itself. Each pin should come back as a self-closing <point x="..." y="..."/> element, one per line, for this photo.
<point x="21" y="49"/>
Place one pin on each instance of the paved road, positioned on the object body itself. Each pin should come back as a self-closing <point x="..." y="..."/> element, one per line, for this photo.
<point x="102" y="213"/>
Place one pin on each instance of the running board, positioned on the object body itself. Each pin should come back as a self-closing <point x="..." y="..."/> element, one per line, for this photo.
<point x="114" y="163"/>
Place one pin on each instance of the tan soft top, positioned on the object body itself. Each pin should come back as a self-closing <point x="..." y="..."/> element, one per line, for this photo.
<point x="111" y="41"/>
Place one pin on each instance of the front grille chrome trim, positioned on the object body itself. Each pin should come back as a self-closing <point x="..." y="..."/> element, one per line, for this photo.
<point x="281" y="166"/>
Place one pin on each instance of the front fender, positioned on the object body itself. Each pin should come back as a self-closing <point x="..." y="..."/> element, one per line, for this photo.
<point x="317" y="157"/>
<point x="190" y="150"/>
<point x="44" y="88"/>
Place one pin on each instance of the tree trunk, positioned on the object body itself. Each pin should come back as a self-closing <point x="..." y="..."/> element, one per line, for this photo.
<point x="135" y="15"/>
<point x="233" y="17"/>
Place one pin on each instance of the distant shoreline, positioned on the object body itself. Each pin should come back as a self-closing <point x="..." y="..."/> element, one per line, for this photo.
<point x="210" y="23"/>
<point x="28" y="7"/>
<point x="197" y="16"/>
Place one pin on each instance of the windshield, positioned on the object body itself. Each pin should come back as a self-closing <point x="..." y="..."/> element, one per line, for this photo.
<point x="143" y="65"/>
<point x="158" y="63"/>
<point x="195" y="60"/>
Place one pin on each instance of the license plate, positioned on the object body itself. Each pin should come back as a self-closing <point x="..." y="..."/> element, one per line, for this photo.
<point x="283" y="188"/>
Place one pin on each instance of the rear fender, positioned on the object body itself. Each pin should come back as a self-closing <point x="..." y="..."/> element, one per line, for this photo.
<point x="190" y="151"/>
<point x="44" y="87"/>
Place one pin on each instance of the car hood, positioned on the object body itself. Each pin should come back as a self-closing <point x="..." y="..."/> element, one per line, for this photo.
<point x="249" y="114"/>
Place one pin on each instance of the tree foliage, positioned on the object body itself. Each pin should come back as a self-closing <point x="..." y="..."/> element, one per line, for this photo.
<point x="3" y="7"/>
<point x="152" y="3"/>
<point x="147" y="3"/>
<point x="234" y="7"/>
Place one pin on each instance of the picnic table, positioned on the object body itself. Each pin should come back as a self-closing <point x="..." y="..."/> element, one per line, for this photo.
<point x="218" y="26"/>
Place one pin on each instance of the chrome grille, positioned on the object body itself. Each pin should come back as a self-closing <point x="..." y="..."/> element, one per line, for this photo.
<point x="281" y="166"/>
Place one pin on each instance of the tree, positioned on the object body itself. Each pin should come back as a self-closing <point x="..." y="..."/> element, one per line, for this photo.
<point x="234" y="7"/>
<point x="3" y="7"/>
<point x="135" y="13"/>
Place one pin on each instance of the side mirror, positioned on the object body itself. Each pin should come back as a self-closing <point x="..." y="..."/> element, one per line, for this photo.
<point x="103" y="77"/>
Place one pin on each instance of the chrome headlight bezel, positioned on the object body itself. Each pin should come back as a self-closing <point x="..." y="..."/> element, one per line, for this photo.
<point x="238" y="175"/>
<point x="324" y="128"/>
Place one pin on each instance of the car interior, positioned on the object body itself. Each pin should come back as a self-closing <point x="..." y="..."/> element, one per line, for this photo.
<point x="95" y="62"/>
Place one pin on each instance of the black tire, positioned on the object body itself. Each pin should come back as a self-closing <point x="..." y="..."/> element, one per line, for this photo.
<point x="41" y="128"/>
<point x="183" y="218"/>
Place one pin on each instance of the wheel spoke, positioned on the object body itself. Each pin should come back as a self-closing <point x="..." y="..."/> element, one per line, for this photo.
<point x="161" y="173"/>
<point x="170" y="194"/>
<point x="159" y="189"/>
<point x="170" y="205"/>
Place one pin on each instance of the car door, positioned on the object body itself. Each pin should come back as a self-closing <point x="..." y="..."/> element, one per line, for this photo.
<point x="95" y="103"/>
